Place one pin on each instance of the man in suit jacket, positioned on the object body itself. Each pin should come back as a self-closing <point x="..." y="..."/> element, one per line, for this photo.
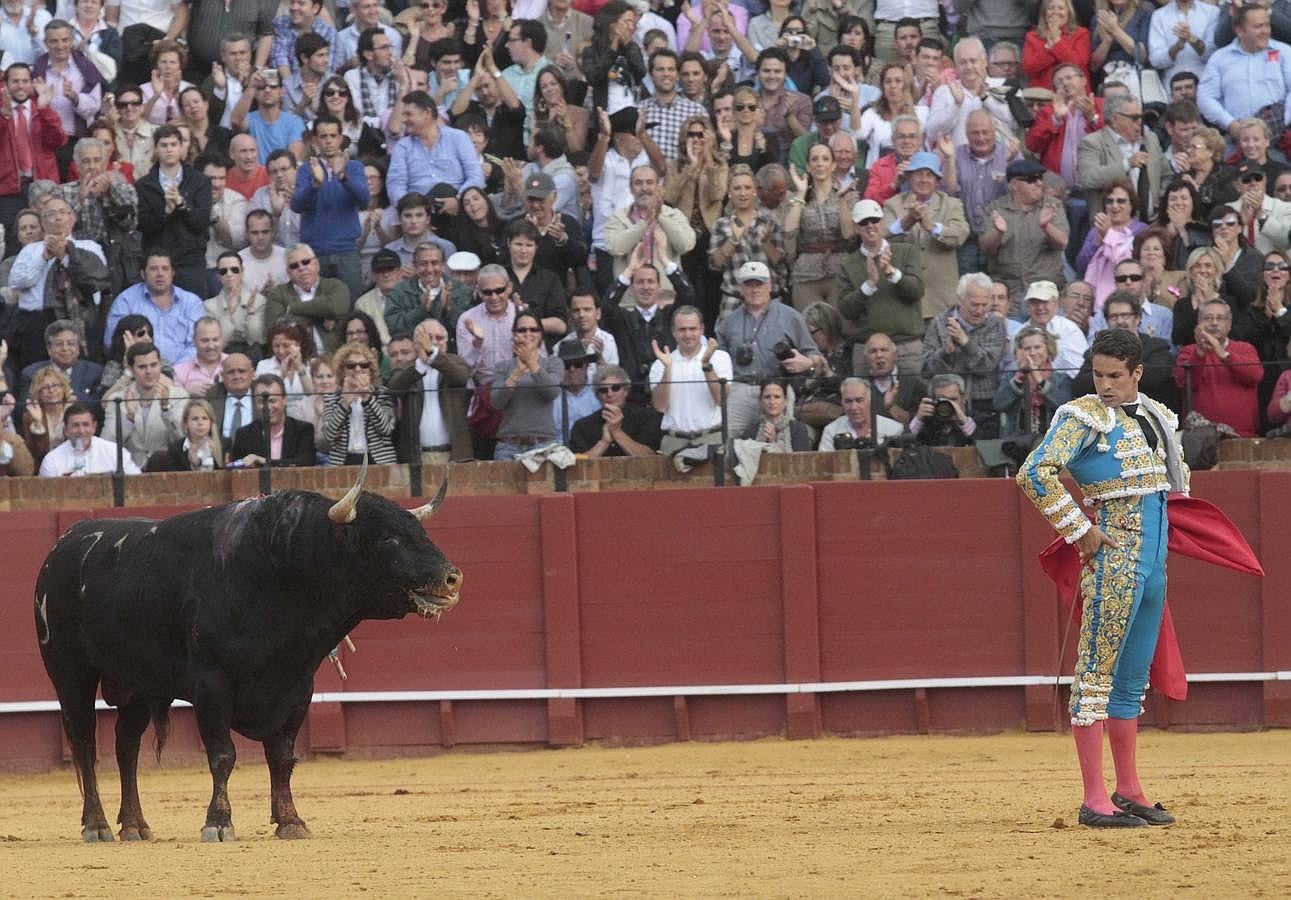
<point x="1123" y="147"/>
<point x="175" y="211"/>
<point x="23" y="161"/>
<point x="934" y="222"/>
<point x="444" y="373"/>
<point x="292" y="440"/>
<point x="231" y="398"/>
<point x="323" y="302"/>
<point x="880" y="288"/>
<point x="63" y="344"/>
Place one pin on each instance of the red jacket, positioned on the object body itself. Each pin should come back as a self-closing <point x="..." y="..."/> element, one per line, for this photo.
<point x="47" y="135"/>
<point x="1224" y="391"/>
<point x="884" y="182"/>
<point x="1039" y="61"/>
<point x="1045" y="136"/>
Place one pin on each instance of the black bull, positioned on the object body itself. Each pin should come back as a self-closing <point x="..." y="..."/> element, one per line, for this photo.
<point x="231" y="608"/>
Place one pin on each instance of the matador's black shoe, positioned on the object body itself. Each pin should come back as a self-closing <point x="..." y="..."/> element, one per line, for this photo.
<point x="1109" y="820"/>
<point x="1153" y="815"/>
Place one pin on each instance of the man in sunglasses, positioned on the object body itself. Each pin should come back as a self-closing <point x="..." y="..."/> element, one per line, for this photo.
<point x="1122" y="147"/>
<point x="617" y="428"/>
<point x="1266" y="220"/>
<point x="1024" y="232"/>
<point x="308" y="295"/>
<point x="1154" y="320"/>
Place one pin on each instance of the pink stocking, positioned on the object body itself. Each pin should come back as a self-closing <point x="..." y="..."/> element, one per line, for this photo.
<point x="1089" y="751"/>
<point x="1123" y="735"/>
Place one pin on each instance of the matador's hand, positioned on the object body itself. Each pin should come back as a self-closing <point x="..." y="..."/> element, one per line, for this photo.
<point x="1089" y="542"/>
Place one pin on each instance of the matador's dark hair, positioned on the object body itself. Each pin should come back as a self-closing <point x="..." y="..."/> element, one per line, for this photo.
<point x="1118" y="344"/>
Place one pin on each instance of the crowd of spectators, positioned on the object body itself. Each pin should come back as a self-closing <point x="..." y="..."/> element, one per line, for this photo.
<point x="314" y="232"/>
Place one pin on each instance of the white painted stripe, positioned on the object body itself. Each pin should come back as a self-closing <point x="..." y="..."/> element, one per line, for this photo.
<point x="699" y="690"/>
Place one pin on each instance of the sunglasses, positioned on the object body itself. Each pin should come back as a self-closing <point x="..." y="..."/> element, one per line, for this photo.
<point x="335" y="92"/>
<point x="492" y="292"/>
<point x="229" y="270"/>
<point x="1252" y="176"/>
<point x="300" y="263"/>
<point x="1116" y="201"/>
<point x="358" y="365"/>
<point x="746" y="107"/>
<point x="142" y="333"/>
<point x="1128" y="279"/>
<point x="865" y="222"/>
<point x="695" y="134"/>
<point x="1031" y="179"/>
<point x="126" y="104"/>
<point x="528" y="329"/>
<point x="1276" y="267"/>
<point x="1225" y="223"/>
<point x="610" y="389"/>
<point x="576" y="365"/>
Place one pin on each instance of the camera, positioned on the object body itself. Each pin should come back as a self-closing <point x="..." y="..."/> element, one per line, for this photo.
<point x="744" y="355"/>
<point x="851" y="442"/>
<point x="437" y="205"/>
<point x="783" y="350"/>
<point x="942" y="409"/>
<point x="794" y="40"/>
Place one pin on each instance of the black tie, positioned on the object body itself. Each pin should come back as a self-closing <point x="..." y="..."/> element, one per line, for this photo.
<point x="237" y="417"/>
<point x="1137" y="414"/>
<point x="1144" y="187"/>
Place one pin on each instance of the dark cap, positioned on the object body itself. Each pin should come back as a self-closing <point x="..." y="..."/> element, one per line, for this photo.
<point x="1024" y="168"/>
<point x="624" y="121"/>
<point x="539" y="186"/>
<point x="443" y="191"/>
<point x="385" y="260"/>
<point x="573" y="351"/>
<point x="1250" y="167"/>
<point x="826" y="109"/>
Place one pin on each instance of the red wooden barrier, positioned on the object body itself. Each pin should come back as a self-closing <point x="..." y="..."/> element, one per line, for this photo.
<point x="781" y="585"/>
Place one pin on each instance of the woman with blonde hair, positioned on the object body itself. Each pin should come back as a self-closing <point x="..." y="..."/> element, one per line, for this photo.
<point x="747" y="233"/>
<point x="42" y="421"/>
<point x="818" y="227"/>
<point x="696" y="186"/>
<point x="746" y="140"/>
<point x="358" y="418"/>
<point x="1030" y="398"/>
<point x="1056" y="39"/>
<point x="896" y="99"/>
<point x="324" y="379"/>
<point x="1205" y="272"/>
<point x="198" y="449"/>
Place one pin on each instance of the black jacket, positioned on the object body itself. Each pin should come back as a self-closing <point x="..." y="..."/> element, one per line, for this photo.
<point x="182" y="233"/>
<point x="297" y="443"/>
<point x="633" y="334"/>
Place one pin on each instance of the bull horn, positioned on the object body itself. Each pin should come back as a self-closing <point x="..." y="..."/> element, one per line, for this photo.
<point x="424" y="512"/>
<point x="344" y="510"/>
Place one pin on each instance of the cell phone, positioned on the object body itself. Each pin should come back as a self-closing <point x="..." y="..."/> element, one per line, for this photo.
<point x="648" y="125"/>
<point x="489" y="157"/>
<point x="269" y="76"/>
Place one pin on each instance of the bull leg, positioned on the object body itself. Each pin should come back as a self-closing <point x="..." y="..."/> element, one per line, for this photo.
<point x="132" y="719"/>
<point x="213" y="725"/>
<point x="76" y="697"/>
<point x="279" y="752"/>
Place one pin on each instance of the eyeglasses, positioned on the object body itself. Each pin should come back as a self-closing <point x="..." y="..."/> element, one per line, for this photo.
<point x="126" y="104"/>
<point x="696" y="134"/>
<point x="353" y="366"/>
<point x="1116" y="201"/>
<point x="1133" y="117"/>
<point x="300" y="263"/>
<point x="229" y="270"/>
<point x="335" y="92"/>
<point x="528" y="329"/>
<point x="1276" y="267"/>
<point x="492" y="292"/>
<point x="380" y="46"/>
<point x="610" y="389"/>
<point x="746" y="107"/>
<point x="1129" y="278"/>
<point x="1223" y="223"/>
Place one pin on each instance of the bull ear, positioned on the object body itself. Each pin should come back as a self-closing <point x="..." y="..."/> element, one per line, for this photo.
<point x="424" y="512"/>
<point x="344" y="510"/>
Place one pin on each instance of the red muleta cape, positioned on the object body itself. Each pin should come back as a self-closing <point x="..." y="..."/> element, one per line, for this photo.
<point x="1199" y="530"/>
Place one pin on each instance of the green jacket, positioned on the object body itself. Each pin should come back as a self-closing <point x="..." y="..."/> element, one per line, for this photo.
<point x="404" y="311"/>
<point x="331" y="303"/>
<point x="894" y="308"/>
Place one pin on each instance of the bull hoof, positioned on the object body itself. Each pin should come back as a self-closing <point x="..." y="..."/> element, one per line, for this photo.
<point x="94" y="834"/>
<point x="292" y="831"/>
<point x="218" y="833"/>
<point x="136" y="834"/>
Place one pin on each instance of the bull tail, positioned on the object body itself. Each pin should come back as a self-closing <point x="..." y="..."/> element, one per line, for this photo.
<point x="160" y="725"/>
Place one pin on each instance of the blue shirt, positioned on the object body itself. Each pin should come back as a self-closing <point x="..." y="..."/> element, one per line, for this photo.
<point x="1237" y="84"/>
<point x="172" y="330"/>
<point x="283" y="50"/>
<point x="329" y="212"/>
<point x="416" y="167"/>
<point x="276" y="135"/>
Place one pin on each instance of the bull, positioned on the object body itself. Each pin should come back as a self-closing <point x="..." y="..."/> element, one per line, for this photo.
<point x="231" y="608"/>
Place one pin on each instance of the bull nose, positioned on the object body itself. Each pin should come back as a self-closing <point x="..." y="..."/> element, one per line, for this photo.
<point x="453" y="580"/>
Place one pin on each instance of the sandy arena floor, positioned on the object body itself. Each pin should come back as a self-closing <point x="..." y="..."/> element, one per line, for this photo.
<point x="831" y="818"/>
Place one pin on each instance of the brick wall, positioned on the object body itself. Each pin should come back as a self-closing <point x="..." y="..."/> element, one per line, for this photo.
<point x="502" y="479"/>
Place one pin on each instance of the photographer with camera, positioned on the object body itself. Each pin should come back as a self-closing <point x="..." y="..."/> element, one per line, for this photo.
<point x="941" y="419"/>
<point x="856" y="428"/>
<point x="765" y="340"/>
<point x="968" y="341"/>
